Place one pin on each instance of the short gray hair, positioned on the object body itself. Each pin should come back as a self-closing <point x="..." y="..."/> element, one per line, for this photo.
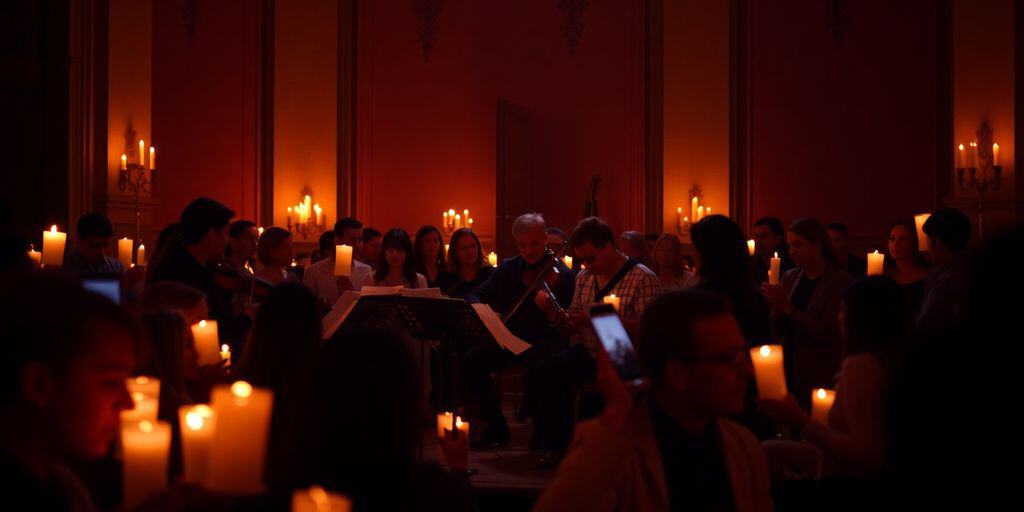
<point x="528" y="221"/>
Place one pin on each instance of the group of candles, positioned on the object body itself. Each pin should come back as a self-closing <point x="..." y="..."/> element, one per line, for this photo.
<point x="142" y="157"/>
<point x="770" y="376"/>
<point x="452" y="220"/>
<point x="55" y="241"/>
<point x="969" y="158"/>
<point x="446" y="424"/>
<point x="697" y="212"/>
<point x="304" y="210"/>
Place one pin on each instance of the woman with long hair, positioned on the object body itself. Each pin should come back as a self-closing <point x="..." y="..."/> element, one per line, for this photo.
<point x="429" y="253"/>
<point x="396" y="265"/>
<point x="466" y="268"/>
<point x="275" y="253"/>
<point x="906" y="265"/>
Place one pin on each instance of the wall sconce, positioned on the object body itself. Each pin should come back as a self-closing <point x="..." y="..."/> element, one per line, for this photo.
<point x="451" y="221"/>
<point x="136" y="177"/>
<point x="983" y="155"/>
<point x="698" y="210"/>
<point x="312" y="221"/>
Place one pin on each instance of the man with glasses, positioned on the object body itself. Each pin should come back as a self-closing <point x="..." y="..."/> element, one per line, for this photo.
<point x="673" y="449"/>
<point x="320" y="277"/>
<point x="607" y="272"/>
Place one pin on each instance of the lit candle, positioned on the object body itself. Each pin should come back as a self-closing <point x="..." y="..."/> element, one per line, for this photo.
<point x="773" y="272"/>
<point x="821" y="403"/>
<point x="319" y="213"/>
<point x="463" y="440"/>
<point x="144" y="407"/>
<point x="316" y="499"/>
<point x="342" y="260"/>
<point x="124" y="251"/>
<point x="567" y="260"/>
<point x="769" y="372"/>
<point x="140" y="254"/>
<point x="700" y="213"/>
<point x="451" y="218"/>
<point x="124" y="162"/>
<point x="152" y="158"/>
<point x="35" y="256"/>
<point x="922" y="239"/>
<point x="444" y="219"/>
<point x="53" y="246"/>
<point x="225" y="354"/>
<point x="470" y="223"/>
<point x="960" y="156"/>
<point x="995" y="153"/>
<point x="492" y="258"/>
<point x="693" y="208"/>
<point x="707" y="211"/>
<point x="207" y="341"/>
<point x="444" y="420"/>
<point x="446" y="246"/>
<point x="875" y="262"/>
<point x="458" y="221"/>
<point x="613" y="300"/>
<point x="259" y="231"/>
<point x="197" y="424"/>
<point x="149" y="386"/>
<point x="142" y="153"/>
<point x="240" y="439"/>
<point x="972" y="155"/>
<point x="288" y="217"/>
<point x="751" y="246"/>
<point x="679" y="216"/>
<point x="146" y="445"/>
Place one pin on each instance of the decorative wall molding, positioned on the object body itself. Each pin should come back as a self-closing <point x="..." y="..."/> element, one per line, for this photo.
<point x="190" y="15"/>
<point x="572" y="22"/>
<point x="427" y="12"/>
<point x="837" y="20"/>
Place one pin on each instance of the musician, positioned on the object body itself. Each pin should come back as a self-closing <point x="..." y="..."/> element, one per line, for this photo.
<point x="502" y="291"/>
<point x="241" y="249"/>
<point x="204" y="226"/>
<point x="320" y="277"/>
<point x="608" y="271"/>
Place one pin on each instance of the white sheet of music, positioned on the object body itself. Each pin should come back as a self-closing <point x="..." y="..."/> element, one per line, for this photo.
<point x="341" y="309"/>
<point x="497" y="328"/>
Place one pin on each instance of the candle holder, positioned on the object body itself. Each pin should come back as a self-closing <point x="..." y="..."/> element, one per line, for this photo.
<point x="985" y="150"/>
<point x="135" y="178"/>
<point x="684" y="222"/>
<point x="453" y="220"/>
<point x="316" y="221"/>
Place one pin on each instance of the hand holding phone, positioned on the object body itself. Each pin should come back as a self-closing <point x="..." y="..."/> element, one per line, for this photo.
<point x="616" y="343"/>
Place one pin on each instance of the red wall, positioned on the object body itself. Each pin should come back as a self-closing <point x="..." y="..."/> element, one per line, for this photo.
<point x="204" y="106"/>
<point x="843" y="133"/>
<point x="426" y="129"/>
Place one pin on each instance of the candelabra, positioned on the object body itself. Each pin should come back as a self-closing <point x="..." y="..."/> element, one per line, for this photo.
<point x="452" y="222"/>
<point x="136" y="177"/>
<point x="697" y="211"/>
<point x="986" y="153"/>
<point x="309" y="224"/>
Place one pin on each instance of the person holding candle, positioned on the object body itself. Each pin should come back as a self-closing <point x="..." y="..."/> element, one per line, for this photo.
<point x="673" y="449"/>
<point x="608" y="272"/>
<point x="851" y="263"/>
<point x="634" y="245"/>
<point x="371" y="246"/>
<point x="906" y="264"/>
<point x="805" y="307"/>
<point x="877" y="324"/>
<point x="275" y="254"/>
<point x="428" y="253"/>
<point x="320" y="276"/>
<point x="945" y="289"/>
<point x="396" y="265"/>
<point x="88" y="258"/>
<point x="64" y="387"/>
<point x="466" y="269"/>
<point x="769" y="239"/>
<point x="668" y="264"/>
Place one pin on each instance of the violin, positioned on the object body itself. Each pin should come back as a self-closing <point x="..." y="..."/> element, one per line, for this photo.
<point x="234" y="279"/>
<point x="542" y="277"/>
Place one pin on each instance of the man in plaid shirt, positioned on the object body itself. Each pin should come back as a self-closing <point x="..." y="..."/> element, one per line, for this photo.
<point x="608" y="271"/>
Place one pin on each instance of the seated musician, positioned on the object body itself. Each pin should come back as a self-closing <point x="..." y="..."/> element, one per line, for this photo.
<point x="466" y="268"/>
<point x="608" y="271"/>
<point x="504" y="292"/>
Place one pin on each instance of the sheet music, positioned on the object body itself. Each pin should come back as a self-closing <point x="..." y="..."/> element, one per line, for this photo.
<point x="381" y="290"/>
<point x="425" y="293"/>
<point x="339" y="312"/>
<point x="497" y="328"/>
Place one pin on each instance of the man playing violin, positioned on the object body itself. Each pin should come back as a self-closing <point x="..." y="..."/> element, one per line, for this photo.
<point x="504" y="292"/>
<point x="608" y="271"/>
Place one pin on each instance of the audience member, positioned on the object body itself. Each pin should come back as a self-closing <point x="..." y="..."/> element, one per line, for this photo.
<point x="88" y="258"/>
<point x="769" y="239"/>
<point x="275" y="254"/>
<point x="396" y="265"/>
<point x="668" y="264"/>
<point x="905" y="264"/>
<point x="851" y="263"/>
<point x="948" y="231"/>
<point x="320" y="277"/>
<point x="429" y="254"/>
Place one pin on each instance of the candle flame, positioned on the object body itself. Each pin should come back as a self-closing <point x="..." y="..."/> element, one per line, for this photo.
<point x="679" y="209"/>
<point x="142" y="246"/>
<point x="53" y="228"/>
<point x="145" y="426"/>
<point x="202" y="324"/>
<point x="319" y="497"/>
<point x="766" y="351"/>
<point x="194" y="420"/>
<point x="821" y="393"/>
<point x="241" y="389"/>
<point x="225" y="348"/>
<point x="137" y="398"/>
<point x="876" y="251"/>
<point x="995" y="145"/>
<point x="961" y="147"/>
<point x="142" y="379"/>
<point x="458" y="422"/>
<point x="451" y="212"/>
<point x="776" y="255"/>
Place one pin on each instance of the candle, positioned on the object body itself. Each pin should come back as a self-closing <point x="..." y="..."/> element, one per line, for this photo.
<point x="152" y="158"/>
<point x="995" y="153"/>
<point x="124" y="162"/>
<point x="693" y="208"/>
<point x="707" y="211"/>
<point x="492" y="258"/>
<point x="35" y="256"/>
<point x="142" y="153"/>
<point x="444" y="420"/>
<point x="821" y="403"/>
<point x="53" y="246"/>
<point x="613" y="300"/>
<point x="197" y="424"/>
<point x="207" y="341"/>
<point x="470" y="222"/>
<point x="960" y="156"/>
<point x="319" y="213"/>
<point x="567" y="260"/>
<point x="149" y="386"/>
<point x="144" y="408"/>
<point x="773" y="272"/>
<point x="768" y="371"/>
<point x="972" y="155"/>
<point x="225" y="354"/>
<point x="922" y="239"/>
<point x="463" y="439"/>
<point x="124" y="251"/>
<point x="259" y="231"/>
<point x="875" y="262"/>
<point x="458" y="221"/>
<point x="146" y="445"/>
<point x="240" y="439"/>
<point x="342" y="260"/>
<point x="316" y="499"/>
<point x="751" y="247"/>
<point x="444" y="219"/>
<point x="140" y="255"/>
<point x="700" y="213"/>
<point x="679" y="216"/>
<point x="446" y="247"/>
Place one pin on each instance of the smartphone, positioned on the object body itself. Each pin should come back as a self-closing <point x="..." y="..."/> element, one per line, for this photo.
<point x="616" y="343"/>
<point x="109" y="287"/>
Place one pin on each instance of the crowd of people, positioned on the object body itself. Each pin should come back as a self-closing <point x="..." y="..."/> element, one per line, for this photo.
<point x="899" y="349"/>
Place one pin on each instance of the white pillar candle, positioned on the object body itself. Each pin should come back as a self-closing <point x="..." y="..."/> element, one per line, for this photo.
<point x="149" y="386"/>
<point x="152" y="158"/>
<point x="53" y="246"/>
<point x="751" y="247"/>
<point x="492" y="258"/>
<point x="146" y="445"/>
<point x="207" y="341"/>
<point x="142" y="153"/>
<point x="35" y="256"/>
<point x="679" y="216"/>
<point x="240" y="439"/>
<point x="775" y="269"/>
<point x="446" y="247"/>
<point x="960" y="157"/>
<point x="319" y="213"/>
<point x="124" y="162"/>
<point x="567" y="260"/>
<point x="463" y="446"/>
<point x="693" y="209"/>
<point x="613" y="300"/>
<point x="124" y="251"/>
<point x="225" y="354"/>
<point x="821" y="403"/>
<point x="922" y="239"/>
<point x="875" y="263"/>
<point x="144" y="408"/>
<point x="342" y="260"/>
<point x="316" y="499"/>
<point x="140" y="255"/>
<point x="995" y="153"/>
<point x="700" y="213"/>
<point x="197" y="424"/>
<point x="769" y="372"/>
<point x="444" y="420"/>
